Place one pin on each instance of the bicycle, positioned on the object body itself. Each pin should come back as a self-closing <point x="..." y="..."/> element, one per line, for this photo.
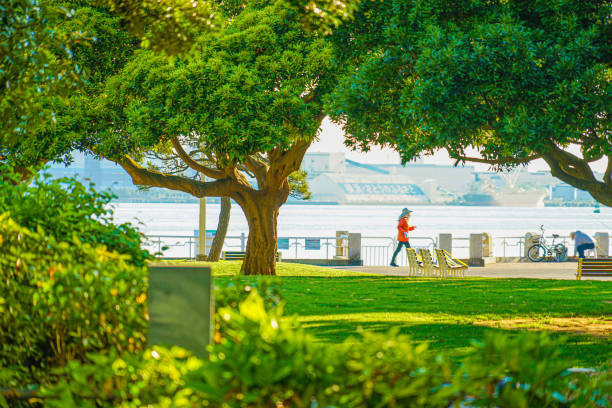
<point x="538" y="251"/>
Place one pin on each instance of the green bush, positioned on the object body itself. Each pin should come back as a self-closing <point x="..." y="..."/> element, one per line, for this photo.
<point x="234" y="292"/>
<point x="266" y="360"/>
<point x="65" y="208"/>
<point x="60" y="300"/>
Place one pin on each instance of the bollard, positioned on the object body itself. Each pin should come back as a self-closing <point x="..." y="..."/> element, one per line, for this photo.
<point x="181" y="307"/>
<point x="445" y="242"/>
<point x="602" y="244"/>
<point x="531" y="238"/>
<point x="476" y="250"/>
<point x="354" y="250"/>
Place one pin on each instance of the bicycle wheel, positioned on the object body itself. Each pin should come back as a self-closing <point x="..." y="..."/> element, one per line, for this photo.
<point x="536" y="253"/>
<point x="560" y="253"/>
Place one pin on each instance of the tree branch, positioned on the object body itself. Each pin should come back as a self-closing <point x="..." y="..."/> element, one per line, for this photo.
<point x="141" y="176"/>
<point x="258" y="168"/>
<point x="571" y="164"/>
<point x="505" y="160"/>
<point x="286" y="162"/>
<point x="208" y="172"/>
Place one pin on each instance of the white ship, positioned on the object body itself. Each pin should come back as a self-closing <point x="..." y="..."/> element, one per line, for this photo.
<point x="505" y="198"/>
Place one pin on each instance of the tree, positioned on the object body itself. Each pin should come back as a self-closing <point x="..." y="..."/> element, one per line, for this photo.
<point x="248" y="103"/>
<point x="516" y="80"/>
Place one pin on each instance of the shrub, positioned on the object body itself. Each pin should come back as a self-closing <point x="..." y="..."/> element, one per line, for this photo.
<point x="65" y="208"/>
<point x="60" y="300"/>
<point x="268" y="361"/>
<point x="236" y="291"/>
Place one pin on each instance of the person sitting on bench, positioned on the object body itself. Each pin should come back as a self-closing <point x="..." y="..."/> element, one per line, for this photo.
<point x="582" y="242"/>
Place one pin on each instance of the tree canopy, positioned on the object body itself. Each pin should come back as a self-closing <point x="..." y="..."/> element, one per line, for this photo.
<point x="241" y="109"/>
<point x="37" y="72"/>
<point x="517" y="80"/>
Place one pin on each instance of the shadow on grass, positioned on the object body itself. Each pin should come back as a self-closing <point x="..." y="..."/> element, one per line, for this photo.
<point x="456" y="338"/>
<point x="442" y="311"/>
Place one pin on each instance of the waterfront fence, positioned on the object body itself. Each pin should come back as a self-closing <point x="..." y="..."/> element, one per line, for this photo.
<point x="375" y="251"/>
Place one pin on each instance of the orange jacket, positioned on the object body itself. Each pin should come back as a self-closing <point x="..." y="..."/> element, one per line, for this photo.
<point x="402" y="230"/>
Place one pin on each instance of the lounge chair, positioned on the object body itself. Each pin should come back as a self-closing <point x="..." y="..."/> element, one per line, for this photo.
<point x="450" y="266"/>
<point x="428" y="265"/>
<point x="416" y="267"/>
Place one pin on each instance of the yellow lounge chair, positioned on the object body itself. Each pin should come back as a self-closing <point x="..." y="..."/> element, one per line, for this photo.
<point x="413" y="263"/>
<point x="428" y="266"/>
<point x="450" y="266"/>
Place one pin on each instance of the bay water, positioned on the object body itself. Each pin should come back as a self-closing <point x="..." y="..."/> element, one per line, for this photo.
<point x="300" y="220"/>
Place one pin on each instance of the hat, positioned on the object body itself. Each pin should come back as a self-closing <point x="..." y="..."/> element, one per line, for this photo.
<point x="405" y="212"/>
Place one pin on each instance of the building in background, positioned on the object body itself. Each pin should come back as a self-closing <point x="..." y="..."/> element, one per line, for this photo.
<point x="333" y="178"/>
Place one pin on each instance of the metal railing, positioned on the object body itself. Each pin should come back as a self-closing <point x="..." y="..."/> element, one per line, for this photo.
<point x="374" y="250"/>
<point x="184" y="246"/>
<point x="377" y="251"/>
<point x="506" y="247"/>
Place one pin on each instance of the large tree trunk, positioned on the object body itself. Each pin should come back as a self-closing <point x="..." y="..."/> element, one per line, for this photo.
<point x="224" y="218"/>
<point x="261" y="211"/>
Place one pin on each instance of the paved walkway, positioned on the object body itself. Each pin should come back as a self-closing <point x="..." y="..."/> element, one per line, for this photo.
<point x="542" y="270"/>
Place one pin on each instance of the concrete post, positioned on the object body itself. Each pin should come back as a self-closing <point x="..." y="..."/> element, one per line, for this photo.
<point x="476" y="249"/>
<point x="445" y="242"/>
<point x="531" y="238"/>
<point x="181" y="307"/>
<point x="354" y="250"/>
<point x="602" y="244"/>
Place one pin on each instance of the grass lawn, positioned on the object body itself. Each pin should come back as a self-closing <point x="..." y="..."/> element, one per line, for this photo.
<point x="333" y="304"/>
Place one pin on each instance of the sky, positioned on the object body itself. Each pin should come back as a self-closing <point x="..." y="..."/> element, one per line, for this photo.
<point x="331" y="139"/>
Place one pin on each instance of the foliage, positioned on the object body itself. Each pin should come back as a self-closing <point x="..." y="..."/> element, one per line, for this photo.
<point x="230" y="294"/>
<point x="67" y="210"/>
<point x="299" y="185"/>
<point x="61" y="299"/>
<point x="268" y="361"/>
<point x="240" y="96"/>
<point x="36" y="64"/>
<point x="515" y="80"/>
<point x="172" y="26"/>
<point x="69" y="34"/>
<point x="168" y="26"/>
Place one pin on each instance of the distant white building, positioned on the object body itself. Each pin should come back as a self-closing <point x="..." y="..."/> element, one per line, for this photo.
<point x="335" y="179"/>
<point x="342" y="188"/>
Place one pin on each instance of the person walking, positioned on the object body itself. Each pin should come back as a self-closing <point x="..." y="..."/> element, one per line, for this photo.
<point x="402" y="233"/>
<point x="582" y="242"/>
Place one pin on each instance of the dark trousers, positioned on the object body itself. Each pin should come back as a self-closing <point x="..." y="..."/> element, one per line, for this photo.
<point x="583" y="247"/>
<point x="400" y="245"/>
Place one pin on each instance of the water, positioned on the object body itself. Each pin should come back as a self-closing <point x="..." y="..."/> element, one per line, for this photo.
<point x="374" y="221"/>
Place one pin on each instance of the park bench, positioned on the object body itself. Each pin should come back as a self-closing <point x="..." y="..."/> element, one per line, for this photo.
<point x="416" y="267"/>
<point x="239" y="256"/>
<point x="594" y="267"/>
<point x="449" y="265"/>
